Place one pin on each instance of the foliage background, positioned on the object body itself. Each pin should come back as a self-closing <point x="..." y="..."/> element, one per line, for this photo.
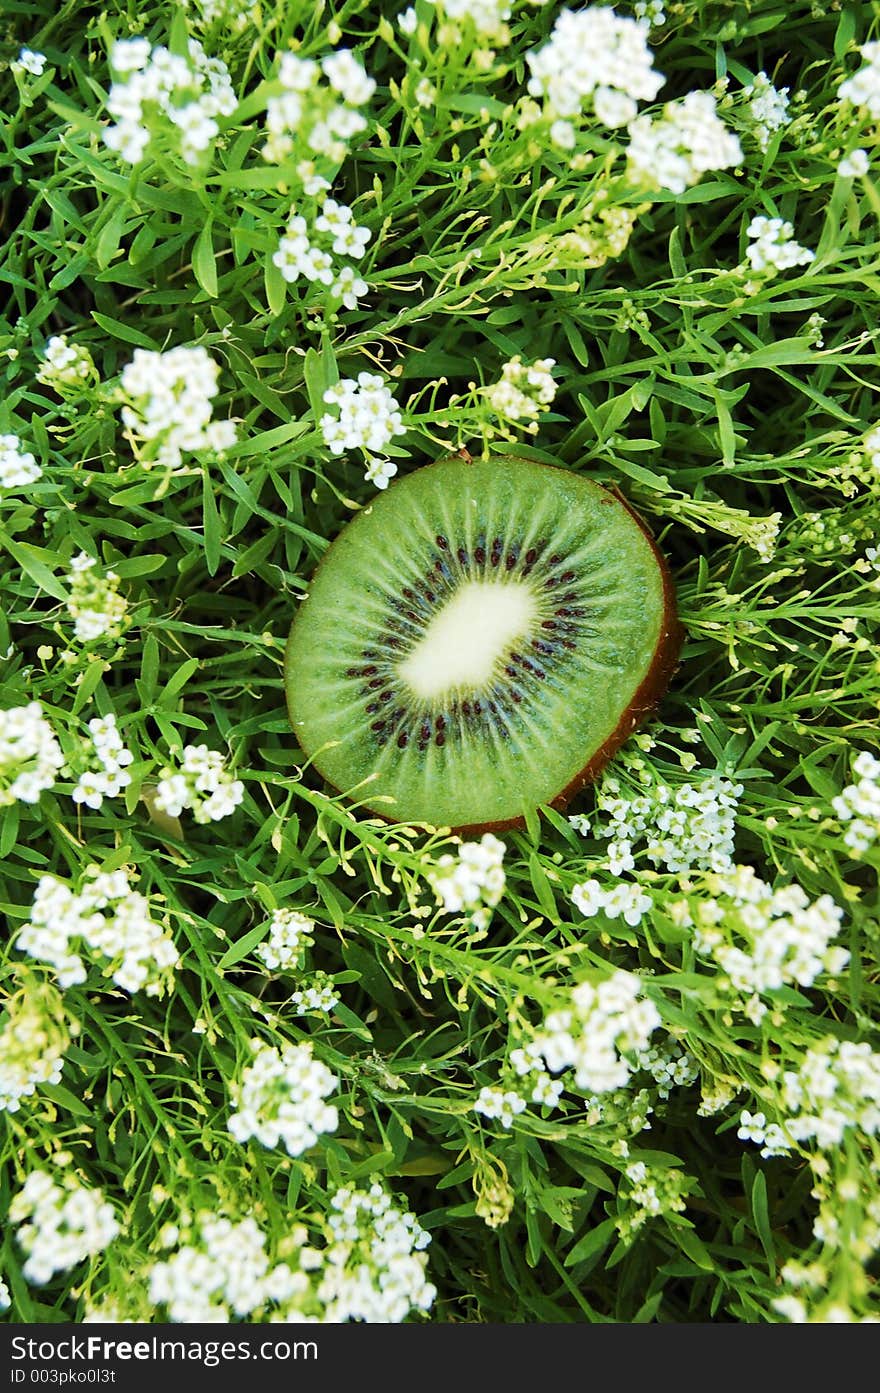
<point x="710" y="406"/>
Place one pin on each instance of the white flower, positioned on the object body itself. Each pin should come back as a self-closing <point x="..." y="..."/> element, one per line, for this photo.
<point x="280" y="1099"/>
<point x="855" y="165"/>
<point x="289" y="934"/>
<point x="93" y="601"/>
<point x="66" y="367"/>
<point x="499" y="1104"/>
<point x="32" y="1045"/>
<point x="688" y="140"/>
<point x="375" y="1263"/>
<point x="473" y="881"/>
<point x="626" y="900"/>
<point x="773" y="247"/>
<point x="104" y="918"/>
<point x="603" y="1023"/>
<point x="368" y="418"/>
<point x="169" y="404"/>
<point x="159" y="92"/>
<point x="768" y="108"/>
<point x="29" y="62"/>
<point x="863" y="88"/>
<point x="202" y="784"/>
<point x="407" y="21"/>
<point x="524" y="390"/>
<point x="17" y="465"/>
<point x="59" y="1225"/>
<point x="30" y="756"/>
<point x="380" y="472"/>
<point x="594" y="55"/>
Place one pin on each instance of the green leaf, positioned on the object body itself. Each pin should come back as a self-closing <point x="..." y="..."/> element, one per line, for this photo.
<point x="211" y="526"/>
<point x="203" y="262"/>
<point x="593" y="1241"/>
<point x="243" y="946"/>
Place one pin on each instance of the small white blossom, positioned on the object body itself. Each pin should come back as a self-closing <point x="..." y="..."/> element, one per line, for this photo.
<point x="687" y="141"/>
<point x="30" y="756"/>
<point x="94" y="602"/>
<point x="473" y="881"/>
<point x="202" y="784"/>
<point x="593" y="57"/>
<point x="767" y="108"/>
<point x="280" y="1099"/>
<point x="17" y="465"/>
<point x="863" y="88"/>
<point x="290" y="933"/>
<point x="496" y="1103"/>
<point x="28" y="61"/>
<point x="773" y="247"/>
<point x="32" y="1044"/>
<point x="168" y="404"/>
<point x="58" y="1226"/>
<point x="103" y="919"/>
<point x="524" y="390"/>
<point x="66" y="367"/>
<point x="591" y="1037"/>
<point x="855" y="165"/>
<point x="159" y="93"/>
<point x="368" y="416"/>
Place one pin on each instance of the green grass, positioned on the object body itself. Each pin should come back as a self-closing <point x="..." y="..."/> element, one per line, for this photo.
<point x="714" y="399"/>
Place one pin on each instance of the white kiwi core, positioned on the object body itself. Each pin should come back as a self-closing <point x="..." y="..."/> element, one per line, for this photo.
<point x="468" y="637"/>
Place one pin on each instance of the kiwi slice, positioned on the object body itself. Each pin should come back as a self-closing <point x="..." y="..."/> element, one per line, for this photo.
<point x="479" y="641"/>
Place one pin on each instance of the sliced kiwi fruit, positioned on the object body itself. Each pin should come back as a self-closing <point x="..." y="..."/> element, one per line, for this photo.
<point x="478" y="641"/>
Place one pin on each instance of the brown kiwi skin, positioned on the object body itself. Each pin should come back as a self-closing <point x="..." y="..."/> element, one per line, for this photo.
<point x="645" y="698"/>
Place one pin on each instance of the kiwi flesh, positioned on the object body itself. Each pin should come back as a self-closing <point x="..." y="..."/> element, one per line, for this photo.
<point x="478" y="641"/>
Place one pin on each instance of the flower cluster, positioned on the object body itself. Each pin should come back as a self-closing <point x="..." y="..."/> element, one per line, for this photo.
<point x="290" y="933"/>
<point x="32" y="1044"/>
<point x="159" y="95"/>
<point x="368" y="419"/>
<point x="765" y="939"/>
<point x="767" y="108"/>
<point x="624" y="900"/>
<point x="473" y="881"/>
<point x="59" y="1224"/>
<point x="17" y="465"/>
<point x="94" y="602"/>
<point x="689" y="827"/>
<point x="602" y="1024"/>
<point x="593" y="56"/>
<point x="316" y="113"/>
<point x="105" y="918"/>
<point x="489" y="18"/>
<point x="772" y="246"/>
<point x="500" y="1104"/>
<point x="169" y="404"/>
<point x="859" y="804"/>
<point x="855" y="164"/>
<point x="688" y="140"/>
<point x="201" y="783"/>
<point x="375" y="1264"/>
<point x="316" y="996"/>
<point x="220" y="1270"/>
<point x="237" y="13"/>
<point x="837" y="1087"/>
<point x="650" y="1192"/>
<point x="112" y="758"/>
<point x="280" y="1099"/>
<point x="523" y="391"/>
<point x="669" y="1064"/>
<point x="30" y="756"/>
<point x="863" y="88"/>
<point x="66" y="367"/>
<point x="300" y="253"/>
